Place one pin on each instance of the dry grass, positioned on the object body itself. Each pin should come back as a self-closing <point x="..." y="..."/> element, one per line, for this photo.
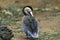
<point x="49" y="26"/>
<point x="49" y="21"/>
<point x="33" y="3"/>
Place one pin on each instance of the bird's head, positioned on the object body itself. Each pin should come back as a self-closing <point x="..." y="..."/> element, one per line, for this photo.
<point x="27" y="10"/>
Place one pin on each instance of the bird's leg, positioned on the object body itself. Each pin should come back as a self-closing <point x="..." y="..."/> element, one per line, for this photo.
<point x="28" y="36"/>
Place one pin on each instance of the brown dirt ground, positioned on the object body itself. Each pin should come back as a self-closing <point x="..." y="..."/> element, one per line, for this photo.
<point x="48" y="23"/>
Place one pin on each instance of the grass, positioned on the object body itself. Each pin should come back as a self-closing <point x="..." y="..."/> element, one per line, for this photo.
<point x="10" y="15"/>
<point x="50" y="22"/>
<point x="43" y="35"/>
<point x="48" y="36"/>
<point x="48" y="15"/>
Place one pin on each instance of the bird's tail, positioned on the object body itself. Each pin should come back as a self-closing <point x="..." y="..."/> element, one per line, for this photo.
<point x="34" y="35"/>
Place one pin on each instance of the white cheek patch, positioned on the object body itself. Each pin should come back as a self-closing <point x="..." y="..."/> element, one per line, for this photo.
<point x="25" y="10"/>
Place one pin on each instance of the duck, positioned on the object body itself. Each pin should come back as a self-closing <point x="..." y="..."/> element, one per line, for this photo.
<point x="30" y="25"/>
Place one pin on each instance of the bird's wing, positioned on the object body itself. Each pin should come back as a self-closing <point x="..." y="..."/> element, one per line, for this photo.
<point x="31" y="24"/>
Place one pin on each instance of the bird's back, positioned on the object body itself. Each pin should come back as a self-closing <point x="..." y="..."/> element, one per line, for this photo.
<point x="30" y="23"/>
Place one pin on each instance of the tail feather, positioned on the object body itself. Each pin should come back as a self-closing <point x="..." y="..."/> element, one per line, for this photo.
<point x="34" y="35"/>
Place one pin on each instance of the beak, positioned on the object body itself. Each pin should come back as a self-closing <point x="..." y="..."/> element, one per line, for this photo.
<point x="30" y="13"/>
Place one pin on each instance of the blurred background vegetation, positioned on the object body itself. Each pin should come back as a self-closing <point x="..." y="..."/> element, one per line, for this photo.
<point x="46" y="11"/>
